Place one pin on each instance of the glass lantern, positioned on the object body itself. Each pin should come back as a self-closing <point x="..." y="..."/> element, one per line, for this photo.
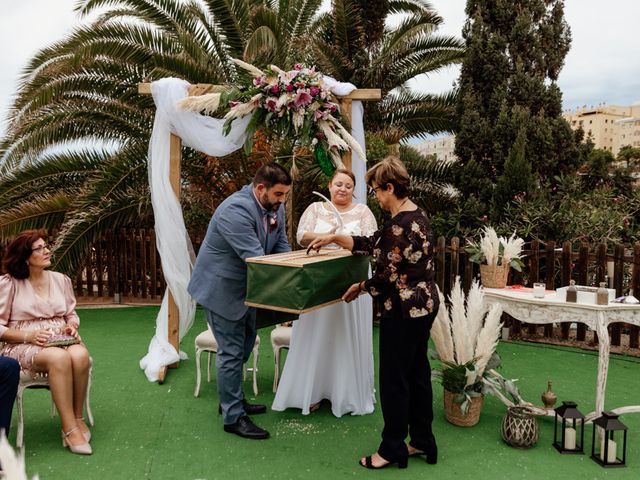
<point x="568" y="429"/>
<point x="606" y="445"/>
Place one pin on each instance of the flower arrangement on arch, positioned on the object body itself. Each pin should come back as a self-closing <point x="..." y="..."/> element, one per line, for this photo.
<point x="285" y="104"/>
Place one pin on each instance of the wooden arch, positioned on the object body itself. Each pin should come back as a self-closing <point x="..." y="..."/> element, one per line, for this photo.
<point x="175" y="159"/>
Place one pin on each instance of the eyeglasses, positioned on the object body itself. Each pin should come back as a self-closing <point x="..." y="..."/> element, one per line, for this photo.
<point x="373" y="190"/>
<point x="41" y="248"/>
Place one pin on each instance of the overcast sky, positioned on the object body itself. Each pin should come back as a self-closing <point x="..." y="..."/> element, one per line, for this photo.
<point x="603" y="65"/>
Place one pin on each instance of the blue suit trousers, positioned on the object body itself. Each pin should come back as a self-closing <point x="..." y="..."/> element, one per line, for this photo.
<point x="235" y="339"/>
<point x="9" y="380"/>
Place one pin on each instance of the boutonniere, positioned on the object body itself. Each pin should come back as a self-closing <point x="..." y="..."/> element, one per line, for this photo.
<point x="273" y="222"/>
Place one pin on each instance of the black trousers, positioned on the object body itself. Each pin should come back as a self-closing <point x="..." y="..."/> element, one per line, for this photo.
<point x="9" y="379"/>
<point x="405" y="386"/>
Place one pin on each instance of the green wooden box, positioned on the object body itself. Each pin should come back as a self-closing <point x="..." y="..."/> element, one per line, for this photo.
<point x="295" y="282"/>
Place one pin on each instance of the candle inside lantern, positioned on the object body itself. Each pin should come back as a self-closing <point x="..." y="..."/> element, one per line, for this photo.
<point x="569" y="438"/>
<point x="611" y="453"/>
<point x="538" y="290"/>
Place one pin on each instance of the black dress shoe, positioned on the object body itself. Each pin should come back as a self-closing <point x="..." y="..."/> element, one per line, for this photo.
<point x="249" y="408"/>
<point x="245" y="428"/>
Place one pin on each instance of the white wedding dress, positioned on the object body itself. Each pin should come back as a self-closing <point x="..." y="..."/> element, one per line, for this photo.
<point x="331" y="351"/>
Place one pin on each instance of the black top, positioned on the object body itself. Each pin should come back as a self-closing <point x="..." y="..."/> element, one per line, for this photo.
<point x="403" y="280"/>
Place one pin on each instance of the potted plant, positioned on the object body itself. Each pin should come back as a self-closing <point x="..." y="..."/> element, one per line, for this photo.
<point x="495" y="255"/>
<point x="465" y="337"/>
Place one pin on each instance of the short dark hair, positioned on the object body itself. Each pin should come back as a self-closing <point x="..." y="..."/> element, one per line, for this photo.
<point x="390" y="170"/>
<point x="18" y="252"/>
<point x="272" y="174"/>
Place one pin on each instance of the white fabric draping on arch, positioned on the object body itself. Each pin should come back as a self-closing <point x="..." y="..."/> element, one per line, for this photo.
<point x="204" y="134"/>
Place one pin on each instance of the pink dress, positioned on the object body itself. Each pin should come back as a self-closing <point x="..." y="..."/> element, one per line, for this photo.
<point x="22" y="308"/>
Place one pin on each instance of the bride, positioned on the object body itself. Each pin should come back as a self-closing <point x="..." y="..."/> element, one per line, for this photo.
<point x="331" y="352"/>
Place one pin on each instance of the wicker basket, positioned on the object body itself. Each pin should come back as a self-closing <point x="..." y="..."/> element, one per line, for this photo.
<point x="519" y="427"/>
<point x="453" y="413"/>
<point x="494" y="276"/>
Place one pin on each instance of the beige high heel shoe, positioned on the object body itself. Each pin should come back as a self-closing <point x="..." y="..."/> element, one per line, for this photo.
<point x="82" y="449"/>
<point x="87" y="434"/>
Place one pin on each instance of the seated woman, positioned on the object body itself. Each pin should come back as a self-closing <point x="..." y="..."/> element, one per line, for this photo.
<point x="34" y="305"/>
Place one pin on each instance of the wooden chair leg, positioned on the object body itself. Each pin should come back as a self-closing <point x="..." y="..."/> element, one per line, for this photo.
<point x="87" y="400"/>
<point x="196" y="392"/>
<point x="276" y="369"/>
<point x="209" y="366"/>
<point x="255" y="371"/>
<point x="20" y="408"/>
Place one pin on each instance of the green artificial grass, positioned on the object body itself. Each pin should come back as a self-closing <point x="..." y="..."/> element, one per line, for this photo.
<point x="145" y="430"/>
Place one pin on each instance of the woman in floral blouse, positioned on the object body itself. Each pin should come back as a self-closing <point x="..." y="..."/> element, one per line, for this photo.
<point x="406" y="302"/>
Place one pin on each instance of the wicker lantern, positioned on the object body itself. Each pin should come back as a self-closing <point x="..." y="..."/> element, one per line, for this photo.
<point x="604" y="449"/>
<point x="519" y="427"/>
<point x="570" y="423"/>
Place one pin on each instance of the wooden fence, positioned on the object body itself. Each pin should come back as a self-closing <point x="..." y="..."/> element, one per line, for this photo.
<point x="125" y="267"/>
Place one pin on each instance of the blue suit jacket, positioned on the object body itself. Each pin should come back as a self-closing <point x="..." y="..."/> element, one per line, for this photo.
<point x="236" y="232"/>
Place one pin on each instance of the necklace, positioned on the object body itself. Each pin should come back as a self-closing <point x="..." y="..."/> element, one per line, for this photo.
<point x="400" y="206"/>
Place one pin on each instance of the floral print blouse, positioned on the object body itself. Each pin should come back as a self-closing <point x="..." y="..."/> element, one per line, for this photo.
<point x="404" y="271"/>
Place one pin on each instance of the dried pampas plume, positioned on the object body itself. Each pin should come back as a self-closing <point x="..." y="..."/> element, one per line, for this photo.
<point x="476" y="309"/>
<point x="256" y="72"/>
<point x="460" y="334"/>
<point x="488" y="338"/>
<point x="207" y="103"/>
<point x="441" y="332"/>
<point x="12" y="464"/>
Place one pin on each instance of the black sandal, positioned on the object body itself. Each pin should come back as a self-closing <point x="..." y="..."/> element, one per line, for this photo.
<point x="431" y="457"/>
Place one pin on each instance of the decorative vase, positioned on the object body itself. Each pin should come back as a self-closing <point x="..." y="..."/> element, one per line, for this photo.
<point x="549" y="398"/>
<point x="494" y="276"/>
<point x="454" y="414"/>
<point x="519" y="427"/>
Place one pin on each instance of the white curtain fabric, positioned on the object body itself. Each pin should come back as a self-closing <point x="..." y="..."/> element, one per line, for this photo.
<point x="204" y="134"/>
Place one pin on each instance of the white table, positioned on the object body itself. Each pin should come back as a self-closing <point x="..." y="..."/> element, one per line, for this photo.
<point x="522" y="306"/>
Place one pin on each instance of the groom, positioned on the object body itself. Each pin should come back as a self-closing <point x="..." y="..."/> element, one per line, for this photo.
<point x="247" y="224"/>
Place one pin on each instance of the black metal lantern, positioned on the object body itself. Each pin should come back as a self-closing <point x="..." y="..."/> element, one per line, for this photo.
<point x="568" y="429"/>
<point x="605" y="446"/>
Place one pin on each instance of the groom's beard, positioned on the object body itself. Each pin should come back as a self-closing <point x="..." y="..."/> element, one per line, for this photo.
<point x="267" y="205"/>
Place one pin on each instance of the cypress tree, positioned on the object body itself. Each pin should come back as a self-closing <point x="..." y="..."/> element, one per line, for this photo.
<point x="509" y="106"/>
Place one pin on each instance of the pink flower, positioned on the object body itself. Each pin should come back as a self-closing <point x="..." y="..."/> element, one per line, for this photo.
<point x="298" y="66"/>
<point x="314" y="91"/>
<point x="275" y="89"/>
<point x="271" y="103"/>
<point x="302" y="99"/>
<point x="258" y="81"/>
<point x="320" y="115"/>
<point x="289" y="88"/>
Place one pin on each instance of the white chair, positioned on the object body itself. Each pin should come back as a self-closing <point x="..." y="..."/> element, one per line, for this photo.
<point x="206" y="342"/>
<point x="280" y="338"/>
<point x="42" y="381"/>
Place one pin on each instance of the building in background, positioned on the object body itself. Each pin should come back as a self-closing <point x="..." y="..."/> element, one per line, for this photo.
<point x="442" y="148"/>
<point x="611" y="127"/>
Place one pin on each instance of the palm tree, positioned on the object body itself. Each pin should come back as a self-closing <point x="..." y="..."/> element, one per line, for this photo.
<point x="353" y="44"/>
<point x="74" y="156"/>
